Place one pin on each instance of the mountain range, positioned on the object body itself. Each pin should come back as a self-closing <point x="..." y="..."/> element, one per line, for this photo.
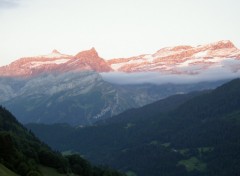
<point x="195" y="134"/>
<point x="80" y="98"/>
<point x="174" y="60"/>
<point x="170" y="113"/>
<point x="84" y="88"/>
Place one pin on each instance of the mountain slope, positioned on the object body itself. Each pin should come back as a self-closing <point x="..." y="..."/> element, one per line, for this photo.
<point x="26" y="155"/>
<point x="130" y="116"/>
<point x="84" y="88"/>
<point x="55" y="62"/>
<point x="21" y="151"/>
<point x="91" y="58"/>
<point x="197" y="136"/>
<point x="6" y="172"/>
<point x="79" y="98"/>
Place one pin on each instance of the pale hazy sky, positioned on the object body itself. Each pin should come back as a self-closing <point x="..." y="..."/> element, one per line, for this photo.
<point x="116" y="28"/>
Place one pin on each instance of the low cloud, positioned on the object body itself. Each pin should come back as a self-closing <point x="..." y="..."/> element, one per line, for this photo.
<point x="163" y="78"/>
<point x="227" y="69"/>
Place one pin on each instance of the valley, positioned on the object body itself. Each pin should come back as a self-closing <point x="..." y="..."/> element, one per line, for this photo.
<point x="180" y="119"/>
<point x="188" y="134"/>
<point x="119" y="88"/>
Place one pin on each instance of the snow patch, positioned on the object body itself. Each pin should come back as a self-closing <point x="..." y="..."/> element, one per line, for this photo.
<point x="149" y="58"/>
<point x="201" y="54"/>
<point x="143" y="59"/>
<point x="53" y="55"/>
<point x="190" y="61"/>
<point x="137" y="61"/>
<point x="225" y="41"/>
<point x="117" y="66"/>
<point x="59" y="61"/>
<point x="217" y="59"/>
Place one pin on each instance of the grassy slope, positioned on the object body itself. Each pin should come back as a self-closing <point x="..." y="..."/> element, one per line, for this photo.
<point x="48" y="171"/>
<point x="6" y="172"/>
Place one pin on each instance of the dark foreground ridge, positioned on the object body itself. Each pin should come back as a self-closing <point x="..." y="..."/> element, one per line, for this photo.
<point x="24" y="154"/>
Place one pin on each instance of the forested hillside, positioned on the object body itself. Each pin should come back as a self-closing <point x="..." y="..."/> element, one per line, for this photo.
<point x="24" y="154"/>
<point x="198" y="135"/>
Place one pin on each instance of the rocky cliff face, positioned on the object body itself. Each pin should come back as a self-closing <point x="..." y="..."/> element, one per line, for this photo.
<point x="55" y="62"/>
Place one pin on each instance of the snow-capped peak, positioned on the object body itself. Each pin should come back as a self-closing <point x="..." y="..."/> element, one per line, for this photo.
<point x="181" y="59"/>
<point x="88" y="53"/>
<point x="222" y="44"/>
<point x="55" y="54"/>
<point x="56" y="51"/>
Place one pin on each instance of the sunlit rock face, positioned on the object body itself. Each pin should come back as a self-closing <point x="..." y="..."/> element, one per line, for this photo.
<point x="181" y="59"/>
<point x="81" y="89"/>
<point x="174" y="60"/>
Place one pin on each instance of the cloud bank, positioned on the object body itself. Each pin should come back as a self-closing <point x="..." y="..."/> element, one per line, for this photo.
<point x="226" y="69"/>
<point x="163" y="78"/>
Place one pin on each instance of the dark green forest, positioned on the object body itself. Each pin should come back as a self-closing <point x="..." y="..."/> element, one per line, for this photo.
<point x="23" y="153"/>
<point x="196" y="134"/>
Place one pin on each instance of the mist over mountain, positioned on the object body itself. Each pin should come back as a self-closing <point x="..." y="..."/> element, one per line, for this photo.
<point x="198" y="62"/>
<point x="80" y="98"/>
<point x="165" y="78"/>
<point x="83" y="88"/>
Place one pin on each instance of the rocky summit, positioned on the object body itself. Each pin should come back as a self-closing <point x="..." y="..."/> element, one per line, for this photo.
<point x="172" y="60"/>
